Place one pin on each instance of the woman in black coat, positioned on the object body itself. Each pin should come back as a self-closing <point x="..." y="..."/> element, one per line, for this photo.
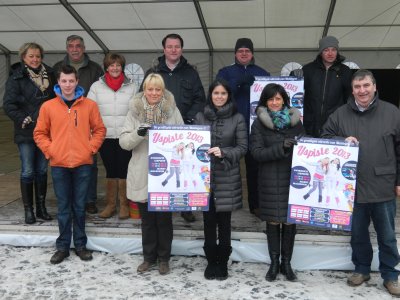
<point x="30" y="84"/>
<point x="228" y="145"/>
<point x="273" y="135"/>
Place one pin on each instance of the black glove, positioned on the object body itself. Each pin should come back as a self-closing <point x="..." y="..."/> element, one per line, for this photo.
<point x="288" y="143"/>
<point x="142" y="131"/>
<point x="298" y="73"/>
<point x="189" y="121"/>
<point x="28" y="120"/>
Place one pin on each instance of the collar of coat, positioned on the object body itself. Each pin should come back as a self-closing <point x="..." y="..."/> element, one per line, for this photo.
<point x="337" y="64"/>
<point x="352" y="103"/>
<point x="224" y="112"/>
<point x="138" y="102"/>
<point x="162" y="65"/>
<point x="265" y="118"/>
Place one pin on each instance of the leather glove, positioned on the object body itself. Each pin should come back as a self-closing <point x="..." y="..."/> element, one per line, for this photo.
<point x="28" y="120"/>
<point x="142" y="131"/>
<point x="189" y="121"/>
<point x="298" y="73"/>
<point x="288" y="143"/>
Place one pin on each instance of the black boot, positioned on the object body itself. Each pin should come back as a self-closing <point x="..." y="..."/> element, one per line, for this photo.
<point x="40" y="194"/>
<point x="211" y="255"/>
<point x="27" y="199"/>
<point x="319" y="198"/>
<point x="178" y="184"/>
<point x="274" y="243"/>
<point x="223" y="253"/>
<point x="288" y="234"/>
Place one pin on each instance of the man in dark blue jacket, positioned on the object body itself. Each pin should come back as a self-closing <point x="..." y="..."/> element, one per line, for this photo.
<point x="240" y="76"/>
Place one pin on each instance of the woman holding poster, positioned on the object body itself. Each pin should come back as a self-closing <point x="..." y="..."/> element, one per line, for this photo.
<point x="155" y="105"/>
<point x="273" y="135"/>
<point x="228" y="145"/>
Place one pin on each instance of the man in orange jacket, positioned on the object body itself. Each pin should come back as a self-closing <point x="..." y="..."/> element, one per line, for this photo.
<point x="69" y="132"/>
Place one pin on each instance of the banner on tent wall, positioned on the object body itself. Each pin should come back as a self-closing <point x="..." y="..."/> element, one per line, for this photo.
<point x="294" y="86"/>
<point x="179" y="168"/>
<point x="323" y="183"/>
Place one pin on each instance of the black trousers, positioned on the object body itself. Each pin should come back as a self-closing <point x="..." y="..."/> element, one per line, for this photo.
<point x="115" y="159"/>
<point x="214" y="220"/>
<point x="157" y="233"/>
<point x="252" y="181"/>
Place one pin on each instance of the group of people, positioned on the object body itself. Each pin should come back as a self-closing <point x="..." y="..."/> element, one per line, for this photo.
<point x="67" y="118"/>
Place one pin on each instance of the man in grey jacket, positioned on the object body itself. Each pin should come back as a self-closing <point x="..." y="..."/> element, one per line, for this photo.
<point x="375" y="126"/>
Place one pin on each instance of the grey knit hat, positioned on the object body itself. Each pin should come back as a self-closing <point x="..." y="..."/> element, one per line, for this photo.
<point x="328" y="41"/>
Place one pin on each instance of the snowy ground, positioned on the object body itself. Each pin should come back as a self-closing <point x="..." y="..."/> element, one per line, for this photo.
<point x="26" y="273"/>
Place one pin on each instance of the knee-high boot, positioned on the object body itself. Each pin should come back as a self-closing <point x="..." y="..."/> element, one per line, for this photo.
<point x="123" y="201"/>
<point x="274" y="243"/>
<point x="223" y="253"/>
<point x="40" y="196"/>
<point x="288" y="235"/>
<point x="111" y="198"/>
<point x="27" y="199"/>
<point x="211" y="255"/>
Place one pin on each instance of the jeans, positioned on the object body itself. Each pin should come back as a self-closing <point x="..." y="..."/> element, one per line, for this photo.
<point x="92" y="190"/>
<point x="382" y="215"/>
<point x="71" y="186"/>
<point x="34" y="163"/>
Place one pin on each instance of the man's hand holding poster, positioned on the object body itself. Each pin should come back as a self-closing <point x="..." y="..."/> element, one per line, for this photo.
<point x="323" y="183"/>
<point x="179" y="168"/>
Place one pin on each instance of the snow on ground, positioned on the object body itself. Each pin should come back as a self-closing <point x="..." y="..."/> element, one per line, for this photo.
<point x="26" y="273"/>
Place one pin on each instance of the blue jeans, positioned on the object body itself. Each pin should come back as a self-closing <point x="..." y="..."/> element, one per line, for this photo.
<point x="33" y="163"/>
<point x="71" y="186"/>
<point x="92" y="190"/>
<point x="382" y="215"/>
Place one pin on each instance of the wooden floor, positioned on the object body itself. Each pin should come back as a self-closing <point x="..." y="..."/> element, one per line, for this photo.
<point x="245" y="226"/>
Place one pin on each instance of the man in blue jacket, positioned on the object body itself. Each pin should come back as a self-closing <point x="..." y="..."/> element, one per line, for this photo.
<point x="240" y="76"/>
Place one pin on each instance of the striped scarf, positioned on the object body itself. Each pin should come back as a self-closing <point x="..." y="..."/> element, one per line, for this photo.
<point x="154" y="114"/>
<point x="39" y="78"/>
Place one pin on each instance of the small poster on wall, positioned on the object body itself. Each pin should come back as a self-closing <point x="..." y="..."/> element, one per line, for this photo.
<point x="294" y="87"/>
<point x="323" y="183"/>
<point x="179" y="168"/>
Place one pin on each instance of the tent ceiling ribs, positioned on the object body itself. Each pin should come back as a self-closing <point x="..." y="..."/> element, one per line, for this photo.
<point x="203" y="24"/>
<point x="329" y="17"/>
<point x="84" y="25"/>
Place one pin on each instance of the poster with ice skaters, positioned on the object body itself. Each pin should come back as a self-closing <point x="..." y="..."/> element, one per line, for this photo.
<point x="179" y="168"/>
<point x="323" y="183"/>
<point x="294" y="87"/>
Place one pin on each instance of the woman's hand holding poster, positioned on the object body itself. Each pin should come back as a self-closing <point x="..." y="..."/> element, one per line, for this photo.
<point x="323" y="183"/>
<point x="179" y="168"/>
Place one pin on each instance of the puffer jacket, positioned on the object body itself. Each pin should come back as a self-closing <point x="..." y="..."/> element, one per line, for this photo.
<point x="235" y="74"/>
<point x="69" y="137"/>
<point x="184" y="83"/>
<point x="89" y="73"/>
<point x="229" y="133"/>
<point x="113" y="105"/>
<point x="138" y="167"/>
<point x="378" y="131"/>
<point x="23" y="98"/>
<point x="266" y="146"/>
<point x="324" y="91"/>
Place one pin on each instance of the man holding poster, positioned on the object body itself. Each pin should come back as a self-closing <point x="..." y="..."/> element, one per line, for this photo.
<point x="240" y="77"/>
<point x="375" y="125"/>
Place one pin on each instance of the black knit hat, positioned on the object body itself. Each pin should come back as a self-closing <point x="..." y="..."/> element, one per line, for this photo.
<point x="244" y="43"/>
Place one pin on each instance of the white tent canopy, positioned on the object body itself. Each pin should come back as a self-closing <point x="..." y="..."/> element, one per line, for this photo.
<point x="282" y="30"/>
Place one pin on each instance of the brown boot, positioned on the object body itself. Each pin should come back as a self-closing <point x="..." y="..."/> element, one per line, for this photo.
<point x="123" y="201"/>
<point x="111" y="198"/>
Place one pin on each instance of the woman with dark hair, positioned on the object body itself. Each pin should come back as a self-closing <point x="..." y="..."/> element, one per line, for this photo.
<point x="112" y="92"/>
<point x="30" y="84"/>
<point x="273" y="135"/>
<point x="228" y="145"/>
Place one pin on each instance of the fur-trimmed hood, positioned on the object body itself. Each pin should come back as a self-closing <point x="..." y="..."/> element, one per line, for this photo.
<point x="265" y="118"/>
<point x="138" y="102"/>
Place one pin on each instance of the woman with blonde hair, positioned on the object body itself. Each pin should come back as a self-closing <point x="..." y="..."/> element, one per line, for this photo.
<point x="155" y="105"/>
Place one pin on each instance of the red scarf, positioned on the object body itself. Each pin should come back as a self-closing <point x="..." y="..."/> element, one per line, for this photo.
<point x="115" y="83"/>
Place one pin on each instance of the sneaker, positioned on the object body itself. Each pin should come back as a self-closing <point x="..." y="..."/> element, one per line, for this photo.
<point x="355" y="279"/>
<point x="145" y="266"/>
<point x="91" y="208"/>
<point x="84" y="254"/>
<point x="163" y="267"/>
<point x="188" y="216"/>
<point x="392" y="287"/>
<point x="59" y="256"/>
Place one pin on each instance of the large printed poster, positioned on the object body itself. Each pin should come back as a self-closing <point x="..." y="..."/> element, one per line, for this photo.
<point x="294" y="86"/>
<point x="179" y="168"/>
<point x="323" y="183"/>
